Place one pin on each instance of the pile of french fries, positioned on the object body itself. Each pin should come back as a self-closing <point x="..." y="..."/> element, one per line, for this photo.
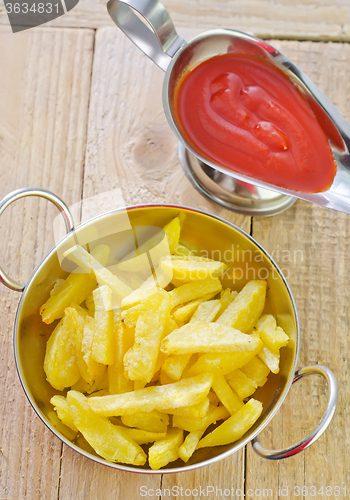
<point x="144" y="368"/>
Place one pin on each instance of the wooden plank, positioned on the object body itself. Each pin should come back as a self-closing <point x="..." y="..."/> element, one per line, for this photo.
<point x="83" y="479"/>
<point x="224" y="479"/>
<point x="312" y="244"/>
<point x="43" y="109"/>
<point x="309" y="19"/>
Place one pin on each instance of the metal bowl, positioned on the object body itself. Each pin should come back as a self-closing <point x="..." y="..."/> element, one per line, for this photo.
<point x="201" y="231"/>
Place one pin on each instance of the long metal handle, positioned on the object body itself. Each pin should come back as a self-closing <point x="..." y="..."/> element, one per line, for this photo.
<point x="23" y="193"/>
<point x="319" y="429"/>
<point x="159" y="43"/>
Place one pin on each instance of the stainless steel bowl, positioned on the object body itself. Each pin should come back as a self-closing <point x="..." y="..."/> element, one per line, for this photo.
<point x="202" y="231"/>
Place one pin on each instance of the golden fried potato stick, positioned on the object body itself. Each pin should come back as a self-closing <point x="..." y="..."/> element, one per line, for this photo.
<point x="62" y="409"/>
<point x="234" y="427"/>
<point x="227" y="296"/>
<point x="192" y="424"/>
<point x="131" y="315"/>
<point x="206" y="311"/>
<point x="175" y="364"/>
<point x="271" y="334"/>
<point x="186" y="270"/>
<point x="227" y="397"/>
<point x="270" y="358"/>
<point x="140" y="361"/>
<point x="244" y="312"/>
<point x="186" y="392"/>
<point x="60" y="363"/>
<point x="165" y="450"/>
<point x="108" y="440"/>
<point x="103" y="342"/>
<point x="200" y="410"/>
<point x="100" y="383"/>
<point x="93" y="368"/>
<point x="143" y="437"/>
<point x="222" y="363"/>
<point x="195" y="290"/>
<point x="184" y="312"/>
<point x="241" y="383"/>
<point x="84" y="313"/>
<point x="152" y="421"/>
<point x="123" y="341"/>
<point x="256" y="370"/>
<point x="78" y="322"/>
<point x="188" y="447"/>
<point x="208" y="337"/>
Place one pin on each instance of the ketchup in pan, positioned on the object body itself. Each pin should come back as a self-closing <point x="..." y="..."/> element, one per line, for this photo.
<point x="246" y="115"/>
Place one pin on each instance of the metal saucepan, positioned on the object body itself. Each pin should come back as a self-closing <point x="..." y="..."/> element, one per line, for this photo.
<point x="202" y="231"/>
<point x="176" y="56"/>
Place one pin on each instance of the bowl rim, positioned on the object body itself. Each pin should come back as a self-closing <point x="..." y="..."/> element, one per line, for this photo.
<point x="184" y="468"/>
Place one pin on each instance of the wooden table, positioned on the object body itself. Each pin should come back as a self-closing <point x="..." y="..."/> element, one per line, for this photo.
<point x="81" y="114"/>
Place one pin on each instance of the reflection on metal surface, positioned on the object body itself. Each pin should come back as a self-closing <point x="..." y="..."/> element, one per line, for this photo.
<point x="229" y="192"/>
<point x="320" y="427"/>
<point x="41" y="193"/>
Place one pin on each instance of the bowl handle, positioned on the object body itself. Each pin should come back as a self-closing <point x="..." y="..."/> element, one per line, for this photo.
<point x="22" y="193"/>
<point x="319" y="429"/>
<point x="159" y="43"/>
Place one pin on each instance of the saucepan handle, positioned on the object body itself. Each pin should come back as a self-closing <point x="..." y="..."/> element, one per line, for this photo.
<point x="23" y="193"/>
<point x="159" y="43"/>
<point x="319" y="429"/>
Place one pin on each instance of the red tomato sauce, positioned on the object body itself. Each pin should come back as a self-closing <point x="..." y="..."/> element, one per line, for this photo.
<point x="244" y="114"/>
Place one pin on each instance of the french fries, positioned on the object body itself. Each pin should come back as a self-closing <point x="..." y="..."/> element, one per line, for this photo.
<point x="185" y="392"/>
<point x="123" y="341"/>
<point x="60" y="363"/>
<point x="206" y="311"/>
<point x="207" y="337"/>
<point x="152" y="421"/>
<point x="234" y="427"/>
<point x="165" y="450"/>
<point x="141" y="359"/>
<point x="178" y="355"/>
<point x="186" y="270"/>
<point x="102" y="345"/>
<point x="244" y="312"/>
<point x="189" y="445"/>
<point x="228" y="398"/>
<point x="107" y="439"/>
<point x="194" y="290"/>
<point x="185" y="312"/>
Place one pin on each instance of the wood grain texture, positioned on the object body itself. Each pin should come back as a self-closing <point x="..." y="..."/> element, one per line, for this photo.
<point x="312" y="245"/>
<point x="83" y="479"/>
<point x="308" y="19"/>
<point x="43" y="109"/>
<point x="213" y="481"/>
